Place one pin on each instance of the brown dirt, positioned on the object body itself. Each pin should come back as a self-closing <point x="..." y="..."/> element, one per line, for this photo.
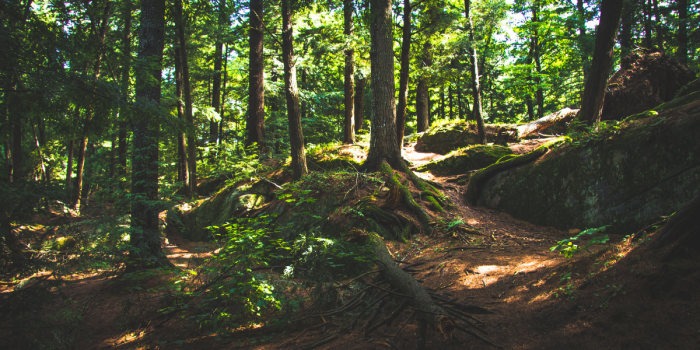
<point x="617" y="296"/>
<point x="645" y="80"/>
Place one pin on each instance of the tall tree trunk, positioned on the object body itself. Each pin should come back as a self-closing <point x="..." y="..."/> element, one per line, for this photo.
<point x="17" y="134"/>
<point x="255" y="124"/>
<point x="682" y="53"/>
<point x="80" y="166"/>
<point x="296" y="136"/>
<point x="657" y="25"/>
<point x="223" y="99"/>
<point x="126" y="69"/>
<point x="627" y="26"/>
<point x="303" y="86"/>
<point x="383" y="140"/>
<point x="359" y="102"/>
<point x="184" y="62"/>
<point x="348" y="8"/>
<point x="422" y="93"/>
<point x="184" y="175"/>
<point x="144" y="236"/>
<point x="476" y="88"/>
<point x="404" y="73"/>
<point x="69" y="170"/>
<point x="582" y="38"/>
<point x="216" y="81"/>
<point x="594" y="92"/>
<point x="646" y="11"/>
<point x="449" y="95"/>
<point x="536" y="55"/>
<point x="442" y="101"/>
<point x="460" y="106"/>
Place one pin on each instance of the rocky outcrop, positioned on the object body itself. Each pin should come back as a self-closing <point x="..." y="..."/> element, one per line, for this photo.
<point x="445" y="138"/>
<point x="651" y="169"/>
<point x="645" y="80"/>
<point x="466" y="159"/>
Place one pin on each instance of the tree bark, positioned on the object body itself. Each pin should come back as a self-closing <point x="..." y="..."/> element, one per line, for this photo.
<point x="404" y="73"/>
<point x="476" y="88"/>
<point x="183" y="175"/>
<point x="255" y="125"/>
<point x="538" y="125"/>
<point x="69" y="170"/>
<point x="216" y="81"/>
<point x="536" y="55"/>
<point x="627" y="26"/>
<point x="348" y="8"/>
<point x="657" y="25"/>
<point x="646" y="12"/>
<point x="442" y="101"/>
<point x="422" y="93"/>
<point x="383" y="139"/>
<point x="296" y="136"/>
<point x="359" y="103"/>
<point x="144" y="237"/>
<point x="191" y="143"/>
<point x="126" y="69"/>
<point x="682" y="53"/>
<point x="594" y="92"/>
<point x="449" y="95"/>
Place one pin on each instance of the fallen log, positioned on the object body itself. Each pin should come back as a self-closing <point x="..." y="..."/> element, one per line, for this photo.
<point x="564" y="115"/>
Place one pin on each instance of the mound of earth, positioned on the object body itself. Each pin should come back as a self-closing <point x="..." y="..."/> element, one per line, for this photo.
<point x="650" y="169"/>
<point x="645" y="80"/>
<point x="445" y="138"/>
<point x="466" y="159"/>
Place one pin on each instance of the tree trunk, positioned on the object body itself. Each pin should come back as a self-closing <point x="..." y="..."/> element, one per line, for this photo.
<point x="296" y="136"/>
<point x="183" y="175"/>
<point x="460" y="107"/>
<point x="126" y="69"/>
<point x="191" y="143"/>
<point x="627" y="26"/>
<point x="646" y="12"/>
<point x="216" y="81"/>
<point x="594" y="92"/>
<point x="538" y="125"/>
<point x="536" y="55"/>
<point x="348" y="8"/>
<point x="383" y="140"/>
<point x="359" y="103"/>
<point x="404" y="73"/>
<point x="449" y="95"/>
<point x="476" y="88"/>
<point x="582" y="40"/>
<point x="144" y="237"/>
<point x="657" y="25"/>
<point x="422" y="93"/>
<point x="682" y="53"/>
<point x="17" y="134"/>
<point x="69" y="171"/>
<point x="255" y="125"/>
<point x="223" y="99"/>
<point x="442" y="102"/>
<point x="78" y="200"/>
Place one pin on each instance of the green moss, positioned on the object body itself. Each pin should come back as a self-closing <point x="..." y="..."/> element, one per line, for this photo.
<point x="675" y="103"/>
<point x="466" y="159"/>
<point x="340" y="162"/>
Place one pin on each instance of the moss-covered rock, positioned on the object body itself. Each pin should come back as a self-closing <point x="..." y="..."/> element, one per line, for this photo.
<point x="650" y="170"/>
<point x="192" y="220"/>
<point x="664" y="107"/>
<point x="467" y="159"/>
<point x="445" y="138"/>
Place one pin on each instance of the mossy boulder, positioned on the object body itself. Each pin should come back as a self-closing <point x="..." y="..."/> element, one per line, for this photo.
<point x="445" y="138"/>
<point x="192" y="220"/>
<point x="649" y="170"/>
<point x="467" y="159"/>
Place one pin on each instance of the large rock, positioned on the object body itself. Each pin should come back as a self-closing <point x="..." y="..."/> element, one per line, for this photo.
<point x="466" y="159"/>
<point x="192" y="221"/>
<point x="645" y="80"/>
<point x="650" y="170"/>
<point x="445" y="138"/>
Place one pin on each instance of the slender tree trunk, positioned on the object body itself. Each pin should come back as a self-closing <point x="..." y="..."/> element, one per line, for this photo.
<point x="191" y="143"/>
<point x="449" y="95"/>
<point x="359" y="103"/>
<point x="657" y="25"/>
<point x="460" y="106"/>
<point x="223" y="99"/>
<point x="348" y="8"/>
<point x="126" y="69"/>
<point x="594" y="92"/>
<point x="536" y="55"/>
<point x="646" y="11"/>
<point x="80" y="162"/>
<point x="626" y="27"/>
<point x="144" y="236"/>
<point x="476" y="88"/>
<point x="184" y="175"/>
<point x="422" y="93"/>
<point x="442" y="102"/>
<point x="255" y="124"/>
<point x="216" y="84"/>
<point x="296" y="136"/>
<point x="582" y="39"/>
<point x="682" y="53"/>
<point x="383" y="140"/>
<point x="404" y="73"/>
<point x="69" y="170"/>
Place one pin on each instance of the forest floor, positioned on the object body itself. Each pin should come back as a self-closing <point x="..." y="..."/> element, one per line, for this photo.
<point x="614" y="296"/>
